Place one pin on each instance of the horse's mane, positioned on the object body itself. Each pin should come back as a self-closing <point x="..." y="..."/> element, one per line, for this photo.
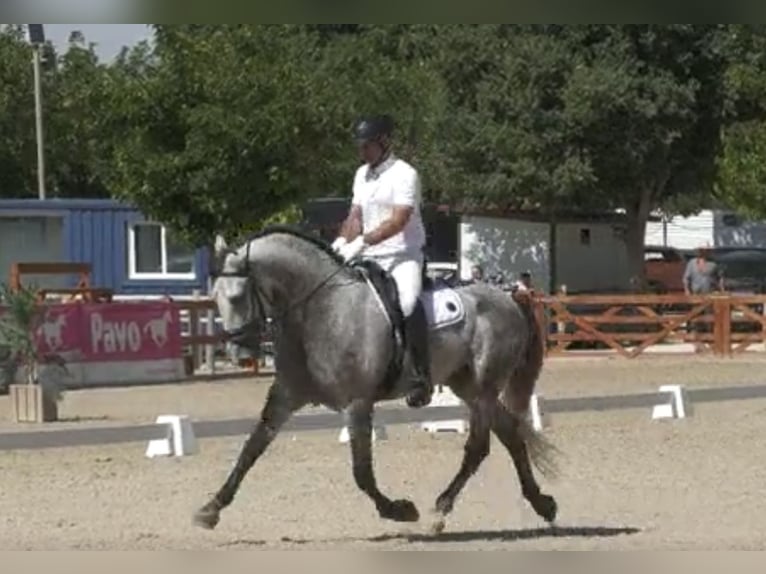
<point x="302" y="234"/>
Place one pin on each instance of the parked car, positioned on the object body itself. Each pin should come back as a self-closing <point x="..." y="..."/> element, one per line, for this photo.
<point x="743" y="268"/>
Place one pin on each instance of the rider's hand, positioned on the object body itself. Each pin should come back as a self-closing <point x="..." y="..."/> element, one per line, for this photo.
<point x="351" y="250"/>
<point x="339" y="243"/>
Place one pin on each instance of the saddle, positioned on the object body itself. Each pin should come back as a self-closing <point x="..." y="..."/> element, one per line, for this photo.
<point x="385" y="287"/>
<point x="442" y="305"/>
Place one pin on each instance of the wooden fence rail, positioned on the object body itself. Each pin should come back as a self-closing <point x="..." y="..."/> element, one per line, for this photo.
<point x="719" y="324"/>
<point x="723" y="324"/>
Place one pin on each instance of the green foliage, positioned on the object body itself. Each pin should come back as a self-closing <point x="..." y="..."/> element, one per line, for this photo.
<point x="18" y="322"/>
<point x="20" y="317"/>
<point x="234" y="124"/>
<point x="223" y="128"/>
<point x="742" y="178"/>
<point x="78" y="94"/>
<point x="741" y="183"/>
<point x="17" y="136"/>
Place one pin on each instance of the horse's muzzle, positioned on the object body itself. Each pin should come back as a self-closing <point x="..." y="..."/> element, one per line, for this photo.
<point x="245" y="336"/>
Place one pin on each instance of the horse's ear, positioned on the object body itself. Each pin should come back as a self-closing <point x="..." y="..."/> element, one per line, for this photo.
<point x="220" y="251"/>
<point x="219" y="246"/>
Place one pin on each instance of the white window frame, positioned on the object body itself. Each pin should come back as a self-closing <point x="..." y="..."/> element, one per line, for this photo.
<point x="137" y="275"/>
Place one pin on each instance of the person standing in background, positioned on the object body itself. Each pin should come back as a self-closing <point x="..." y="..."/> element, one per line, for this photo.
<point x="702" y="276"/>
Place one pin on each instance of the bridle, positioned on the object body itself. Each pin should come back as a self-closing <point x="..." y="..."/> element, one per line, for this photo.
<point x="262" y="301"/>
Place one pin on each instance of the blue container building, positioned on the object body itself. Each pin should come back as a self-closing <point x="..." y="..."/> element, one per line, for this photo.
<point x="129" y="253"/>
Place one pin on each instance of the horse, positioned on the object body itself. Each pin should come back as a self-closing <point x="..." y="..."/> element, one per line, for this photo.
<point x="335" y="346"/>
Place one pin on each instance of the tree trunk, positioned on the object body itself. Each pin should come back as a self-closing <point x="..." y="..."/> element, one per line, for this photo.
<point x="637" y="217"/>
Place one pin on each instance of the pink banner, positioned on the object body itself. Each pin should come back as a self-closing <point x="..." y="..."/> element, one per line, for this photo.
<point x="99" y="332"/>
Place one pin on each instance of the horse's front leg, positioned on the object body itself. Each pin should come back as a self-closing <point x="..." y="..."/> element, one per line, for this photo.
<point x="360" y="429"/>
<point x="274" y="415"/>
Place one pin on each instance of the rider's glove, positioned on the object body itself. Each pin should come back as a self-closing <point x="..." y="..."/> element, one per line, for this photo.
<point x="351" y="250"/>
<point x="339" y="243"/>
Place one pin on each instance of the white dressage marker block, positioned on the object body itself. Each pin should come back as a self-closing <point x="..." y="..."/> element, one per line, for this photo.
<point x="378" y="433"/>
<point x="536" y="413"/>
<point x="677" y="406"/>
<point x="179" y="439"/>
<point x="444" y="397"/>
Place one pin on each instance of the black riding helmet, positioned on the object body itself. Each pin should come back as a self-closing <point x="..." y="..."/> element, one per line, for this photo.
<point x="370" y="128"/>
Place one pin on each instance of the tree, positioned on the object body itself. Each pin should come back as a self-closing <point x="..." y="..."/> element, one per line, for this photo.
<point x="17" y="124"/>
<point x="79" y="122"/>
<point x="586" y="117"/>
<point x="227" y="126"/>
<point x="741" y="184"/>
<point x="651" y="109"/>
<point x="77" y="94"/>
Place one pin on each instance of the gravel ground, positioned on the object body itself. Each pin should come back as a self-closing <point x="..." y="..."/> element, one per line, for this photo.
<point x="626" y="482"/>
<point x="237" y="398"/>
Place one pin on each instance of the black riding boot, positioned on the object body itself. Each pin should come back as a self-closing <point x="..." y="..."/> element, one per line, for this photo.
<point x="421" y="388"/>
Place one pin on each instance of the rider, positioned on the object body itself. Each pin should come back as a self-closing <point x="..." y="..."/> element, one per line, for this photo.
<point x="384" y="224"/>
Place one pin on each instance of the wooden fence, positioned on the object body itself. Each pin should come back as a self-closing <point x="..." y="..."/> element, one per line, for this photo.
<point x="200" y="337"/>
<point x="83" y="290"/>
<point x="721" y="324"/>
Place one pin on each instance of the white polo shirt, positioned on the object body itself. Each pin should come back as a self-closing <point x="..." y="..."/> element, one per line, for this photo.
<point x="394" y="182"/>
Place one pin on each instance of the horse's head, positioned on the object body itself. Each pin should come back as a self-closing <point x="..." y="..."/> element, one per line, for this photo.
<point x="237" y="297"/>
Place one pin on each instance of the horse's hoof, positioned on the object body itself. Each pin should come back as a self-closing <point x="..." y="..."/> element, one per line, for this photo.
<point x="418" y="399"/>
<point x="401" y="511"/>
<point x="546" y="507"/>
<point x="207" y="517"/>
<point x="438" y="525"/>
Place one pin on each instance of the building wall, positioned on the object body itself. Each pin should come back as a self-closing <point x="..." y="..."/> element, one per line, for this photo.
<point x="100" y="236"/>
<point x="591" y="257"/>
<point x="731" y="230"/>
<point x="95" y="232"/>
<point x="506" y="246"/>
<point x="682" y="232"/>
<point x="715" y="228"/>
<point x="31" y="238"/>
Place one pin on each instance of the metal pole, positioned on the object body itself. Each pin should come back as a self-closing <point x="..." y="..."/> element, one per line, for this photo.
<point x="39" y="125"/>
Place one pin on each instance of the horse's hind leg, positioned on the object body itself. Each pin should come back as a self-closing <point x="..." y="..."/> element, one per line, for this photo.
<point x="274" y="414"/>
<point x="508" y="429"/>
<point x="475" y="451"/>
<point x="360" y="429"/>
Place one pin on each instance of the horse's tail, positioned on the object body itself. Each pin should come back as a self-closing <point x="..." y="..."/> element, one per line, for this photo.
<point x="516" y="394"/>
<point x="521" y="384"/>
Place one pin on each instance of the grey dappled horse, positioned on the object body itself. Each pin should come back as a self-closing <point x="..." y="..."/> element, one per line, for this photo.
<point x="334" y="347"/>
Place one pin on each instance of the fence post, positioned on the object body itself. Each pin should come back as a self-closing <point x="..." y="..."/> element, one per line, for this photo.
<point x="722" y="325"/>
<point x="210" y="346"/>
<point x="561" y="326"/>
<point x="194" y="329"/>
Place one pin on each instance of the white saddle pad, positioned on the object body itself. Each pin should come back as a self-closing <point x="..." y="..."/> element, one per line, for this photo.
<point x="443" y="307"/>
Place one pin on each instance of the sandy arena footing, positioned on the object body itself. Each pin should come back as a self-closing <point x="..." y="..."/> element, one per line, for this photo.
<point x="626" y="482"/>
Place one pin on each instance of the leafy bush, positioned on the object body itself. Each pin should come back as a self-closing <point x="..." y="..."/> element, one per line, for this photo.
<point x="20" y="319"/>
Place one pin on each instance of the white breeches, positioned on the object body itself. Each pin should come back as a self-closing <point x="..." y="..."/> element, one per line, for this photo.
<point x="406" y="271"/>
